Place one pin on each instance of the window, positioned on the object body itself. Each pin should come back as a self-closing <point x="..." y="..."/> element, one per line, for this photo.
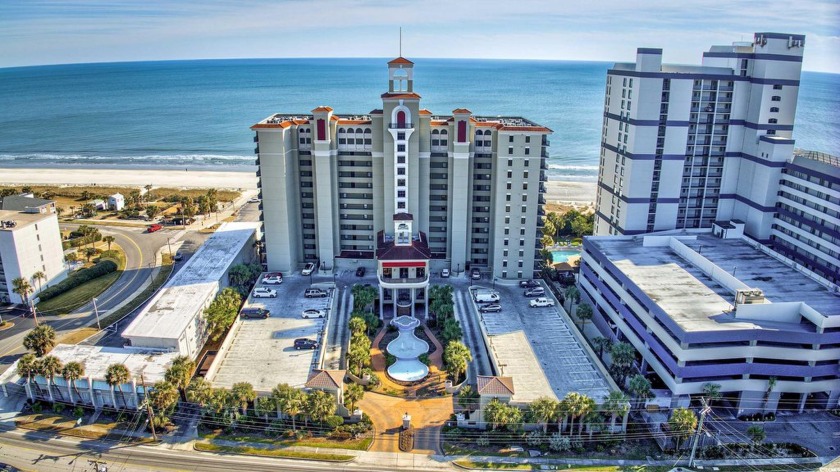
<point x="777" y="87"/>
<point x="510" y="139"/>
<point x="526" y="162"/>
<point x="401" y="205"/>
<point x="401" y="171"/>
<point x="400" y="147"/>
<point x="400" y="159"/>
<point x="772" y="120"/>
<point x="504" y="263"/>
<point x="507" y="218"/>
<point x="527" y="139"/>
<point x="524" y="208"/>
<point x="401" y="193"/>
<point x="527" y="150"/>
<point x="522" y="220"/>
<point x="507" y="197"/>
<point x="401" y="182"/>
<point x="510" y="162"/>
<point x="521" y="242"/>
<point x="507" y="231"/>
<point x="507" y="241"/>
<point x="507" y="210"/>
<point x="522" y="231"/>
<point x="509" y="188"/>
<point x="400" y="136"/>
<point x="510" y="150"/>
<point x="510" y="174"/>
<point x="505" y="253"/>
<point x="776" y="98"/>
<point x="524" y="198"/>
<point x="774" y="110"/>
<point x="525" y="186"/>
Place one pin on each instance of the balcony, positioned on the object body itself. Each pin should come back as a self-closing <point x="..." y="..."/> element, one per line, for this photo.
<point x="408" y="282"/>
<point x="401" y="125"/>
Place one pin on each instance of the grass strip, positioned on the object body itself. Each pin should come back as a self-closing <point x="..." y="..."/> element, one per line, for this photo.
<point x="350" y="444"/>
<point x="283" y="453"/>
<point x="468" y="464"/>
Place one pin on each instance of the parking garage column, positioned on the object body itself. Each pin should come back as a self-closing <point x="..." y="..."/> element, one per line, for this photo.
<point x="413" y="299"/>
<point x="381" y="303"/>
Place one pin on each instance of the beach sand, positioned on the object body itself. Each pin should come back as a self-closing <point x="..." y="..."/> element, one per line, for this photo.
<point x="578" y="194"/>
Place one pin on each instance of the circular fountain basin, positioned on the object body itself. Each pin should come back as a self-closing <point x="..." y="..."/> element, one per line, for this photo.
<point x="407" y="348"/>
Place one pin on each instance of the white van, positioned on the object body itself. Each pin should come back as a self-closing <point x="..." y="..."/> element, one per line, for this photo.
<point x="486" y="296"/>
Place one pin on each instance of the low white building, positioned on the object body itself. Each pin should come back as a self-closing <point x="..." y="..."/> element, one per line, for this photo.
<point x="116" y="202"/>
<point x="30" y="242"/>
<point x="92" y="389"/>
<point x="173" y="320"/>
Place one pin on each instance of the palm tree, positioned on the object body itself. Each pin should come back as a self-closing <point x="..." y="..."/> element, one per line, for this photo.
<point x="587" y="406"/>
<point x="199" y="391"/>
<point x="320" y="405"/>
<point x="40" y="340"/>
<point x="89" y="252"/>
<point x="180" y="373"/>
<point x="162" y="397"/>
<point x="683" y="422"/>
<point x="711" y="391"/>
<point x="600" y="343"/>
<point x="26" y="367"/>
<point x="51" y="365"/>
<point x="357" y="326"/>
<point x="756" y="434"/>
<point x="583" y="313"/>
<point x="615" y="404"/>
<point x="455" y="357"/>
<point x="639" y="387"/>
<point x="116" y="376"/>
<point x="577" y="405"/>
<point x="243" y="393"/>
<point x="572" y="294"/>
<point x="39" y="276"/>
<point x="362" y="296"/>
<point x="287" y="400"/>
<point x="353" y="393"/>
<point x="72" y="372"/>
<point x="22" y="287"/>
<point x="109" y="240"/>
<point x="543" y="410"/>
<point x="264" y="406"/>
<point x="623" y="354"/>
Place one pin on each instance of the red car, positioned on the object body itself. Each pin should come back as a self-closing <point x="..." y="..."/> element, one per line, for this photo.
<point x="155" y="227"/>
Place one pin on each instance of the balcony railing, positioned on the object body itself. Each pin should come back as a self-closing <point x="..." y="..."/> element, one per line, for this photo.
<point x="403" y="280"/>
<point x="401" y="125"/>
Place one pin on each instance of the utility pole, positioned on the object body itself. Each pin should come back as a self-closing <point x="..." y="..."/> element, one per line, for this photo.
<point x="169" y="243"/>
<point x="34" y="311"/>
<point x="96" y="311"/>
<point x="706" y="409"/>
<point x="148" y="406"/>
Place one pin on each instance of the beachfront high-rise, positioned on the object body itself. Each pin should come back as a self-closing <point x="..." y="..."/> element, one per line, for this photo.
<point x="685" y="146"/>
<point x="413" y="191"/>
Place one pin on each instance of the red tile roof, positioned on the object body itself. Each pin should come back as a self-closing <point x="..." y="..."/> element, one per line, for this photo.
<point x="322" y="109"/>
<point x="401" y="60"/>
<point x="398" y="95"/>
<point x="326" y="379"/>
<point x="460" y="111"/>
<point x="403" y="217"/>
<point x="342" y="121"/>
<point x="388" y="251"/>
<point x="425" y="111"/>
<point x="488" y="385"/>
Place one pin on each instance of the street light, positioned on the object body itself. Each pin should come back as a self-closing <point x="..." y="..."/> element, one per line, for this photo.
<point x="169" y="243"/>
<point x="96" y="311"/>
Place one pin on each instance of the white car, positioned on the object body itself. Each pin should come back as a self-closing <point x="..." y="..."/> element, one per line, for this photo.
<point x="444" y="273"/>
<point x="263" y="292"/>
<point x="308" y="269"/>
<point x="542" y="301"/>
<point x="253" y="200"/>
<point x="272" y="279"/>
<point x="313" y="314"/>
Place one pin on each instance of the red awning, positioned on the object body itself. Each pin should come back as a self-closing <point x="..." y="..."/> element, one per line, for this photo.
<point x="397" y="265"/>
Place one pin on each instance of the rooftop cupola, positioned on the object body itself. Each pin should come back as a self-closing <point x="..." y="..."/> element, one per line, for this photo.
<point x="400" y="75"/>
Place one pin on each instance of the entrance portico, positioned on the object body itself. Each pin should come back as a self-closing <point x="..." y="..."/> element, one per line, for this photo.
<point x="403" y="269"/>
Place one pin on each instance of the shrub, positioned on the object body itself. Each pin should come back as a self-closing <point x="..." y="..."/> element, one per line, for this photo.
<point x="483" y="440"/>
<point x="78" y="412"/>
<point x="37" y="407"/>
<point x="534" y="438"/>
<point x="558" y="443"/>
<point x="334" y="421"/>
<point x="57" y="408"/>
<point x="103" y="267"/>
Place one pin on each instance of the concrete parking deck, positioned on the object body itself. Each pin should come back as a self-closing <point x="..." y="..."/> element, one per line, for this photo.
<point x="263" y="352"/>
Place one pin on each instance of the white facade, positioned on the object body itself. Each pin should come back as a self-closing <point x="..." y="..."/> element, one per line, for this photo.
<point x="116" y="202"/>
<point x="29" y="243"/>
<point x="173" y="320"/>
<point x="684" y="146"/>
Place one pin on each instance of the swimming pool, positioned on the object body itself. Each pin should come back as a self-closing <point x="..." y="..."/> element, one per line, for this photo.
<point x="562" y="255"/>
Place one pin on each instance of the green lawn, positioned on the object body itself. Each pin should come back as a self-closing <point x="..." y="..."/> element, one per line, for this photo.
<point x="350" y="444"/>
<point x="72" y="299"/>
<point x="253" y="451"/>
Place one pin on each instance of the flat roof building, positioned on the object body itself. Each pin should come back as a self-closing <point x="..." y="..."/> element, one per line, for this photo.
<point x="30" y="242"/>
<point x="702" y="309"/>
<point x="172" y="320"/>
<point x="342" y="188"/>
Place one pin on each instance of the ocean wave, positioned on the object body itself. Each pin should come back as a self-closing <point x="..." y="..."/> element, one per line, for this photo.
<point x="573" y="168"/>
<point x="144" y="159"/>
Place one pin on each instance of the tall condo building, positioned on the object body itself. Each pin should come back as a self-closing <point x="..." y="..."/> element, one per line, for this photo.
<point x="402" y="188"/>
<point x="685" y="146"/>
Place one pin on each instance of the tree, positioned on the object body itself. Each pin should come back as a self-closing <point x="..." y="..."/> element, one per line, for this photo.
<point x="40" y="340"/>
<point x="50" y="366"/>
<point x="22" y="287"/>
<point x="264" y="406"/>
<point x="455" y="358"/>
<point x="683" y="422"/>
<point x="109" y="240"/>
<point x="162" y="397"/>
<point x="358" y="356"/>
<point x="89" y="252"/>
<point x="353" y="393"/>
<point x="576" y="405"/>
<point x="152" y="211"/>
<point x="549" y="229"/>
<point x="468" y="398"/>
<point x="623" y="354"/>
<point x="756" y="434"/>
<point x="357" y="326"/>
<point x="26" y="367"/>
<point x="711" y="391"/>
<point x="615" y="404"/>
<point x="501" y="414"/>
<point x="71" y="257"/>
<point x="38" y="277"/>
<point x="179" y="374"/>
<point x="543" y="410"/>
<point x="639" y="388"/>
<point x="243" y="393"/>
<point x="222" y="312"/>
<point x="199" y="391"/>
<point x="584" y="313"/>
<point x="72" y="372"/>
<point x="582" y="225"/>
<point x="319" y="405"/>
<point x="572" y="296"/>
<point x="289" y="401"/>
<point x="116" y="375"/>
<point x="547" y="241"/>
<point x="452" y="330"/>
<point x="600" y="343"/>
<point x="363" y="297"/>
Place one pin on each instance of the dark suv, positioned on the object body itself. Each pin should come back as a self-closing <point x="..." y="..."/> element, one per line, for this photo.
<point x="247" y="313"/>
<point x="303" y="343"/>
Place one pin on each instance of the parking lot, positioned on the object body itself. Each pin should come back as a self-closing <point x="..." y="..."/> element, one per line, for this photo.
<point x="538" y="349"/>
<point x="262" y="351"/>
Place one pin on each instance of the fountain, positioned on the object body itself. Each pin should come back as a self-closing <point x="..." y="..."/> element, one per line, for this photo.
<point x="407" y="348"/>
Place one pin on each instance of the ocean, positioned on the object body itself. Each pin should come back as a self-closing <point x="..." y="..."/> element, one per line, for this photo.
<point x="197" y="114"/>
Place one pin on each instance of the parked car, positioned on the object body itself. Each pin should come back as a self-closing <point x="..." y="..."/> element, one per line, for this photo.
<point x="308" y="268"/>
<point x="272" y="278"/>
<point x="154" y="227"/>
<point x="254" y="312"/>
<point x="444" y="273"/>
<point x="535" y="292"/>
<point x="312" y="313"/>
<point x="315" y="293"/>
<point x="542" y="301"/>
<point x="253" y="200"/>
<point x="360" y="272"/>
<point x="263" y="292"/>
<point x="530" y="283"/>
<point x="486" y="296"/>
<point x="303" y="343"/>
<point x="475" y="274"/>
<point x="491" y="308"/>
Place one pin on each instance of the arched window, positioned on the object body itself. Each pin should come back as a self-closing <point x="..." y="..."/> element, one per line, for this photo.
<point x="462" y="131"/>
<point x="401" y="119"/>
<point x="772" y="121"/>
<point x="443" y="131"/>
<point x="774" y="110"/>
<point x="435" y="132"/>
<point x="487" y="132"/>
<point x="359" y="130"/>
<point x="368" y="131"/>
<point x="322" y="130"/>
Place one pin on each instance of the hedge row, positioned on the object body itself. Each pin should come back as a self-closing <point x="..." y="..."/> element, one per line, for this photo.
<point x="105" y="266"/>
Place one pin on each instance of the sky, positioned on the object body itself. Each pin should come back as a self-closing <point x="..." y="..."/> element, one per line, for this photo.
<point x="35" y="32"/>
